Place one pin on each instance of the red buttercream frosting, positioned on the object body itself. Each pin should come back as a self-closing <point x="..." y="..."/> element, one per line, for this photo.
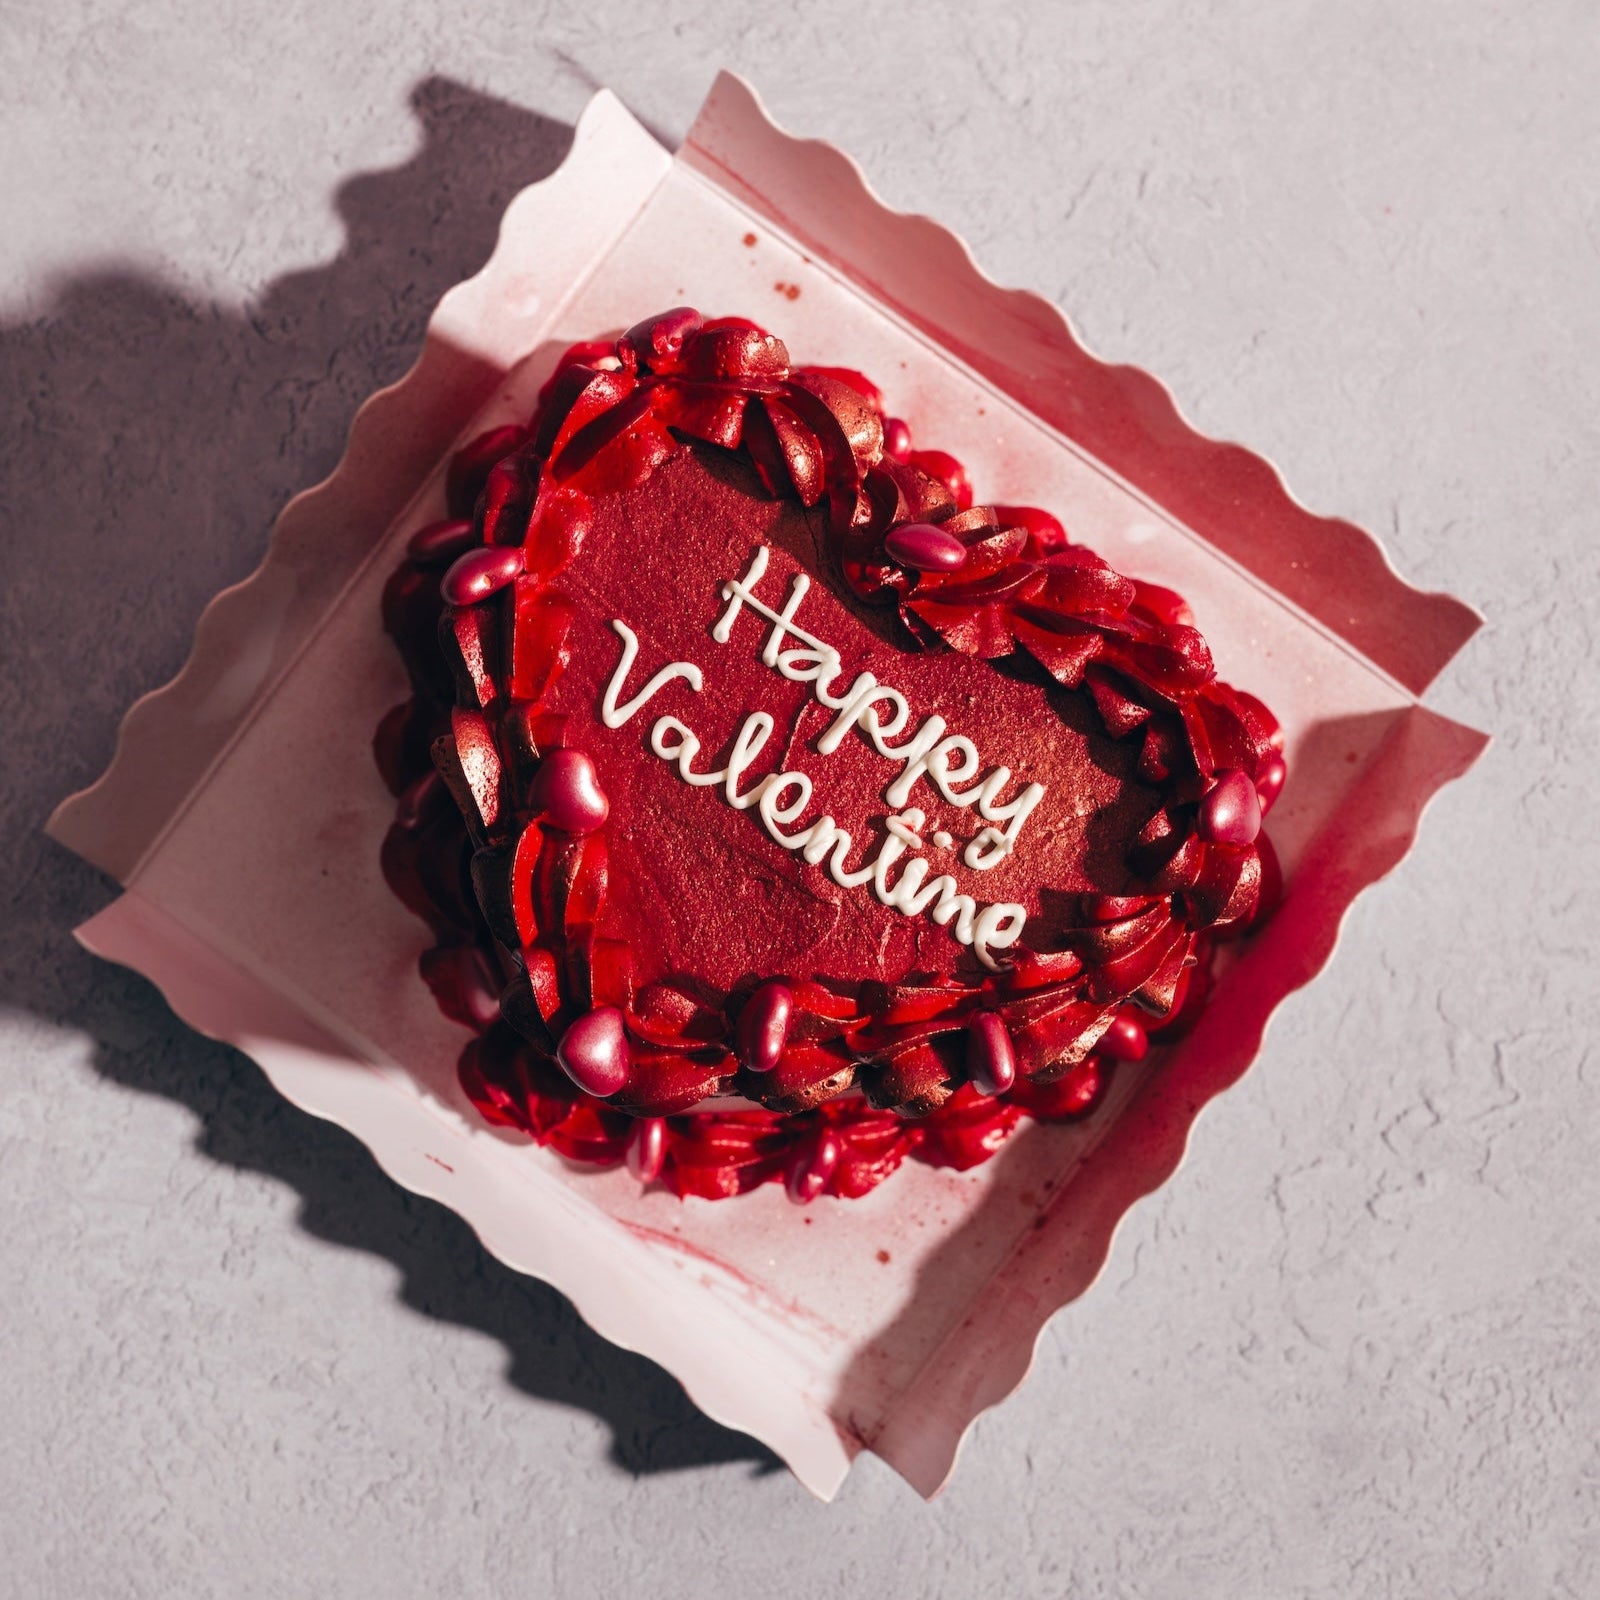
<point x="629" y="934"/>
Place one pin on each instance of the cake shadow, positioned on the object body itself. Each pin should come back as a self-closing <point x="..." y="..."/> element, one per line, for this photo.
<point x="446" y="1275"/>
<point x="150" y="437"/>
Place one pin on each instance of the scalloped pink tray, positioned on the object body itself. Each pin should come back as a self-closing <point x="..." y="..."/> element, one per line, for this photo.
<point x="243" y="815"/>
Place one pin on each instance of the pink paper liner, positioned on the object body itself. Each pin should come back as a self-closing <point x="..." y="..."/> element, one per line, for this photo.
<point x="676" y="1288"/>
<point x="1122" y="416"/>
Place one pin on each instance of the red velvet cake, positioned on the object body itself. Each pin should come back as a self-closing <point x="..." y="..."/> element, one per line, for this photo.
<point x="777" y="812"/>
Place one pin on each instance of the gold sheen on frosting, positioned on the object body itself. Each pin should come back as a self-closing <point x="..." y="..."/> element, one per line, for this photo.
<point x="947" y="760"/>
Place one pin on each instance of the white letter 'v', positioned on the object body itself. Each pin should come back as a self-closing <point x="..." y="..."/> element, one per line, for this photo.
<point x="614" y="715"/>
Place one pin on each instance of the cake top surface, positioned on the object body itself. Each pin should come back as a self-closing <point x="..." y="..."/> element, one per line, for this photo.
<point x="700" y="887"/>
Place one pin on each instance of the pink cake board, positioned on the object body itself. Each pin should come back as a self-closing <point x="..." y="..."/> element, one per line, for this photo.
<point x="243" y="813"/>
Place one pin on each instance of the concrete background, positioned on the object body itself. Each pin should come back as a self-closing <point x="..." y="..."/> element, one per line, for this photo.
<point x="1349" y="1350"/>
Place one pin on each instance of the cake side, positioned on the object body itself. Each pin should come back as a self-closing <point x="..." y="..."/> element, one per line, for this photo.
<point x="787" y="770"/>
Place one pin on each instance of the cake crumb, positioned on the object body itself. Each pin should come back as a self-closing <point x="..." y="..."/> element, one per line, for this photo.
<point x="790" y="291"/>
<point x="883" y="1256"/>
<point x="749" y="240"/>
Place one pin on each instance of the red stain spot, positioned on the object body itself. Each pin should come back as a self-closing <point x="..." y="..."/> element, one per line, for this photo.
<point x="806" y="1220"/>
<point x="749" y="240"/>
<point x="790" y="291"/>
<point x="883" y="1256"/>
<point x="438" y="1163"/>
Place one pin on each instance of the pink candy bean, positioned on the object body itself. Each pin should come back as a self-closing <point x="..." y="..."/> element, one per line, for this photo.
<point x="594" y="1052"/>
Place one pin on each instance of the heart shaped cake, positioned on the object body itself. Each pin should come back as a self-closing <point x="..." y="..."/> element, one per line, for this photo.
<point x="778" y="813"/>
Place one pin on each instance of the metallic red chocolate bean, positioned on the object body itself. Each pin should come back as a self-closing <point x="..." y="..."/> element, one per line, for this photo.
<point x="991" y="1060"/>
<point x="647" y="1148"/>
<point x="1269" y="781"/>
<point x="440" y="543"/>
<point x="1125" y="1039"/>
<point x="896" y="439"/>
<point x="1230" y="813"/>
<point x="567" y="793"/>
<point x="594" y="1052"/>
<point x="811" y="1167"/>
<point x="480" y="573"/>
<point x="925" y="547"/>
<point x="764" y="1026"/>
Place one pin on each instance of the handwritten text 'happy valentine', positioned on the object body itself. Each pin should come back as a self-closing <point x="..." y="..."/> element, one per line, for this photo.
<point x="949" y="761"/>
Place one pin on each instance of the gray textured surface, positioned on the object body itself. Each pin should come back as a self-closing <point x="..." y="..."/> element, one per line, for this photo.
<point x="1349" y="1350"/>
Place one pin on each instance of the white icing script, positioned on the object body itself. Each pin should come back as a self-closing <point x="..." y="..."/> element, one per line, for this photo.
<point x="948" y="761"/>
